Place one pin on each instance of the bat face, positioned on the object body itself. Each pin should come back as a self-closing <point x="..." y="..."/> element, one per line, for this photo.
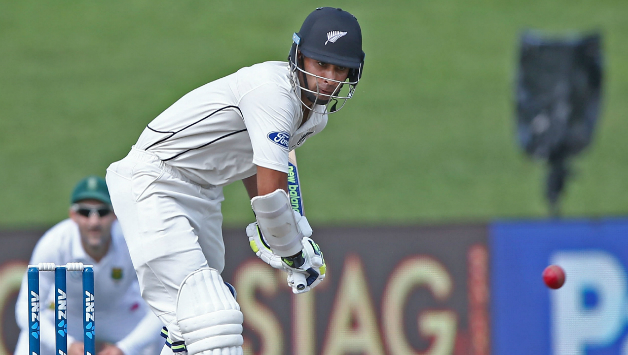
<point x="294" y="186"/>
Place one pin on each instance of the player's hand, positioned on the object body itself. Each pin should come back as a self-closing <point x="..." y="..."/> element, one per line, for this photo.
<point x="261" y="249"/>
<point x="76" y="348"/>
<point x="307" y="270"/>
<point x="110" y="349"/>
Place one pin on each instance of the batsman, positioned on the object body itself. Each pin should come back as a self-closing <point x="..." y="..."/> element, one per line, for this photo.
<point x="167" y="191"/>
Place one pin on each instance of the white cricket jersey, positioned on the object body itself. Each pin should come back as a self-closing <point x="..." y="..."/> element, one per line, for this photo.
<point x="122" y="317"/>
<point x="219" y="132"/>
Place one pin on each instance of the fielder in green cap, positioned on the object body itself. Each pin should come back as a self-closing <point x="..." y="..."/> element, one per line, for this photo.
<point x="92" y="187"/>
<point x="92" y="236"/>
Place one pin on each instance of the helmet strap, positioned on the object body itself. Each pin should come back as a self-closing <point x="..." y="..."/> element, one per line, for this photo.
<point x="333" y="106"/>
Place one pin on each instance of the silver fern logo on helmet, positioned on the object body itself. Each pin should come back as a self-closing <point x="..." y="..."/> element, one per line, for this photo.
<point x="333" y="36"/>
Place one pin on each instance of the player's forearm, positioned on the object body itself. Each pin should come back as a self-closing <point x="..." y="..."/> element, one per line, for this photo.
<point x="269" y="180"/>
<point x="145" y="332"/>
<point x="22" y="305"/>
<point x="265" y="181"/>
<point x="47" y="338"/>
<point x="46" y="285"/>
<point x="250" y="184"/>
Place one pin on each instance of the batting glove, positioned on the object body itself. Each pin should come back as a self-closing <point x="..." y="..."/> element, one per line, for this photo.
<point x="307" y="270"/>
<point x="260" y="248"/>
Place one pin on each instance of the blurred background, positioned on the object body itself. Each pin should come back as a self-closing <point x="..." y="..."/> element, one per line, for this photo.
<point x="425" y="152"/>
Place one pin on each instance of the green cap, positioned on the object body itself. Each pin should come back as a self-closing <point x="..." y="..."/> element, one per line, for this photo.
<point x="91" y="187"/>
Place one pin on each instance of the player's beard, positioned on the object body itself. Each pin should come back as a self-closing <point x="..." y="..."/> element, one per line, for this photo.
<point x="314" y="99"/>
<point x="96" y="237"/>
<point x="315" y="96"/>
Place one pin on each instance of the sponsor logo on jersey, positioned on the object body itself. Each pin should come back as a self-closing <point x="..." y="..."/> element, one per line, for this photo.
<point x="303" y="138"/>
<point x="280" y="138"/>
<point x="333" y="36"/>
<point x="116" y="273"/>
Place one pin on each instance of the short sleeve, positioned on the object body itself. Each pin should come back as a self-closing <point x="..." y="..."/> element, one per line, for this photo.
<point x="269" y="115"/>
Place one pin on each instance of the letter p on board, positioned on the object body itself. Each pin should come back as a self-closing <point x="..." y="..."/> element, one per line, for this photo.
<point x="590" y="308"/>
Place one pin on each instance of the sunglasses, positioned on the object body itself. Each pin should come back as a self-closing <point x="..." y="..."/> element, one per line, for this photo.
<point x="86" y="211"/>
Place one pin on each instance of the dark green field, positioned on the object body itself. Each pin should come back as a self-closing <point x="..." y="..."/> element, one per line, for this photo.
<point x="428" y="138"/>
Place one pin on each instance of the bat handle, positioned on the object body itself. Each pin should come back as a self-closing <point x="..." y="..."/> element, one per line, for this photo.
<point x="295" y="261"/>
<point x="299" y="281"/>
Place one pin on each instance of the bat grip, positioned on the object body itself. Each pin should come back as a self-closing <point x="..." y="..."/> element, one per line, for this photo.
<point x="295" y="261"/>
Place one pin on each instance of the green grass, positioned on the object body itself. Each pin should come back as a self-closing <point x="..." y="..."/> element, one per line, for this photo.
<point x="428" y="138"/>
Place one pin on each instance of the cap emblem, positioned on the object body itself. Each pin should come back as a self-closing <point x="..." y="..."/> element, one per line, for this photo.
<point x="92" y="183"/>
<point x="334" y="35"/>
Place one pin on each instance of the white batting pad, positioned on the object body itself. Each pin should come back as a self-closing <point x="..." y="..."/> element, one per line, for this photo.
<point x="209" y="317"/>
<point x="278" y="222"/>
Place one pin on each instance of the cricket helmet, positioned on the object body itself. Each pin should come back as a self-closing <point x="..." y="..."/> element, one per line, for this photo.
<point x="333" y="36"/>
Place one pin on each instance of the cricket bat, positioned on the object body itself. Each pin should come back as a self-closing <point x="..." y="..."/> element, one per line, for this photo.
<point x="296" y="201"/>
<point x="294" y="185"/>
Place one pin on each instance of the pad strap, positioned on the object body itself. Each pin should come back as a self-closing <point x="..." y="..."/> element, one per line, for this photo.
<point x="175" y="346"/>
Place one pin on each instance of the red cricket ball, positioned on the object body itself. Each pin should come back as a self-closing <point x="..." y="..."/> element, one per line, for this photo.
<point x="554" y="276"/>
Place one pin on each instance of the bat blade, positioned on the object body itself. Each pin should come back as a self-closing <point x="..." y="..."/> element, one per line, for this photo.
<point x="294" y="185"/>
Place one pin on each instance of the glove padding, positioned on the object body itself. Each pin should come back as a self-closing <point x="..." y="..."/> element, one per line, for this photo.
<point x="260" y="248"/>
<point x="309" y="273"/>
